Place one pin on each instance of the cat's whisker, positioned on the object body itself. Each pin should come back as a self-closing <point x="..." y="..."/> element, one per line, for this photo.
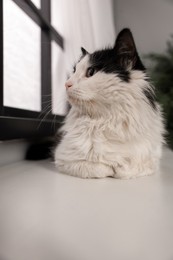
<point x="48" y="101"/>
<point x="44" y="110"/>
<point x="54" y="122"/>
<point x="44" y="118"/>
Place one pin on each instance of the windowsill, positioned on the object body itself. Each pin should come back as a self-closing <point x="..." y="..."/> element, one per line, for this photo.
<point x="46" y="215"/>
<point x="12" y="151"/>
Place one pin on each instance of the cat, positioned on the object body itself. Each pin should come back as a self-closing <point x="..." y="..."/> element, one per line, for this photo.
<point x="115" y="126"/>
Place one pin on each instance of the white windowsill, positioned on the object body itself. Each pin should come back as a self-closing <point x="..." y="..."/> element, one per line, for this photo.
<point x="12" y="151"/>
<point x="47" y="215"/>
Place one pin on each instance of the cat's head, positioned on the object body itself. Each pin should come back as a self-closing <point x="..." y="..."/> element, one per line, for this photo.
<point x="110" y="77"/>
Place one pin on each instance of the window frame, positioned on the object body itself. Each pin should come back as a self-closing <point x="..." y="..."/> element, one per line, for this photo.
<point x="20" y="123"/>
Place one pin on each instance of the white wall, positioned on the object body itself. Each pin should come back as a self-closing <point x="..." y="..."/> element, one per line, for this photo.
<point x="151" y="22"/>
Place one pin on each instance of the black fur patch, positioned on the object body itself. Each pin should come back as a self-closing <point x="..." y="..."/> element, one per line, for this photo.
<point x="138" y="64"/>
<point x="74" y="68"/>
<point x="109" y="62"/>
<point x="84" y="52"/>
<point x="105" y="60"/>
<point x="124" y="75"/>
<point x="150" y="95"/>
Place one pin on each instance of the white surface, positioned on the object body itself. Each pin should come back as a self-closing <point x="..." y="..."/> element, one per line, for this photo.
<point x="22" y="80"/>
<point x="12" y="151"/>
<point x="45" y="215"/>
<point x="81" y="23"/>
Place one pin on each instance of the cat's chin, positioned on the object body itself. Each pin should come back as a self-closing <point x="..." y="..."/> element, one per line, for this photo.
<point x="76" y="100"/>
<point x="86" y="107"/>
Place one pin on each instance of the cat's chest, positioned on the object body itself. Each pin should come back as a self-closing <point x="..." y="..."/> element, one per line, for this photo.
<point x="88" y="138"/>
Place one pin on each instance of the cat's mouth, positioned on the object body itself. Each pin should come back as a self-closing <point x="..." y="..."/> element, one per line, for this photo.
<point x="76" y="93"/>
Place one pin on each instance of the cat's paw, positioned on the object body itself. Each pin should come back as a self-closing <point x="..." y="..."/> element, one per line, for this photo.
<point x="101" y="171"/>
<point x="85" y="169"/>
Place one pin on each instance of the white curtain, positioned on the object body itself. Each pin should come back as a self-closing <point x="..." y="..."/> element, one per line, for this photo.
<point x="87" y="23"/>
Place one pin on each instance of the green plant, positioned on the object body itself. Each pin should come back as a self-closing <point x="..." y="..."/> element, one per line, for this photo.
<point x="161" y="69"/>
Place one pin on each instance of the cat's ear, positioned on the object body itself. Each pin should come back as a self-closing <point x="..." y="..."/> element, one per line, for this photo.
<point x="84" y="52"/>
<point x="125" y="48"/>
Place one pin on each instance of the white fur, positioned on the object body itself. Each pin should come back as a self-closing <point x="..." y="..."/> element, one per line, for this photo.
<point x="111" y="130"/>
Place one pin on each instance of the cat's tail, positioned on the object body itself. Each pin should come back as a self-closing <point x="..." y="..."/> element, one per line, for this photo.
<point x="40" y="149"/>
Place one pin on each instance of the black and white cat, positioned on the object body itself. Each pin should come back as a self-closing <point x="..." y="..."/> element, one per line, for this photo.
<point x="115" y="126"/>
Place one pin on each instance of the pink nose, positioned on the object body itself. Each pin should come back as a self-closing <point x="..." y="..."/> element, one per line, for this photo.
<point x="68" y="84"/>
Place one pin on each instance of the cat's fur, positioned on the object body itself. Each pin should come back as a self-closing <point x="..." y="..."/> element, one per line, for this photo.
<point x="115" y="126"/>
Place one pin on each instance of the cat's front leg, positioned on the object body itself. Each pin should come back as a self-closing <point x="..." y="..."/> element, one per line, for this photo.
<point x="85" y="169"/>
<point x="135" y="170"/>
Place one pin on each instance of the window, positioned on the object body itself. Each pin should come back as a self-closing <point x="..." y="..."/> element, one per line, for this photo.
<point x="27" y="40"/>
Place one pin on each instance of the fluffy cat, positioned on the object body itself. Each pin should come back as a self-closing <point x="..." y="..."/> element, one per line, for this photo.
<point x="115" y="126"/>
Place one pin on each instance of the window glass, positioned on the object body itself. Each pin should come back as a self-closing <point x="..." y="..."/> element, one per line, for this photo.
<point x="59" y="68"/>
<point x="37" y="3"/>
<point x="57" y="8"/>
<point x="22" y="61"/>
<point x="59" y="100"/>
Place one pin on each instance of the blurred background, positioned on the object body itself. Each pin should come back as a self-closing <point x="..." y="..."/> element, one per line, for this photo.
<point x="151" y="23"/>
<point x="41" y="41"/>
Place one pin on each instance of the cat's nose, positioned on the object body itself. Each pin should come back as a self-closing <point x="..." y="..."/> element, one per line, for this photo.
<point x="68" y="84"/>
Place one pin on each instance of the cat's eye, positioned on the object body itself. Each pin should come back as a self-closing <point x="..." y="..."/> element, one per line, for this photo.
<point x="90" y="72"/>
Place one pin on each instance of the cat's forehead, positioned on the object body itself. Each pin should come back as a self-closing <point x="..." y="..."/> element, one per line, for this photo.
<point x="103" y="56"/>
<point x="96" y="59"/>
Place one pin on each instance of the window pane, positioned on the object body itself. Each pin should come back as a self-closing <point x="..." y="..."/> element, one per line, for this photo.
<point x="22" y="61"/>
<point x="59" y="100"/>
<point x="57" y="8"/>
<point x="37" y="3"/>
